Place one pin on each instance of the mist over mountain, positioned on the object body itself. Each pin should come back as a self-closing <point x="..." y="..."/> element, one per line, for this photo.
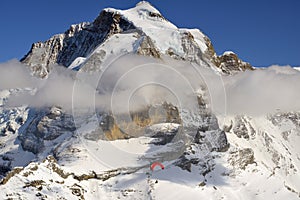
<point x="86" y="113"/>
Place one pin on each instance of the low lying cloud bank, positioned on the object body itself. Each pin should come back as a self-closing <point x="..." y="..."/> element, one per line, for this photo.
<point x="132" y="82"/>
<point x="262" y="91"/>
<point x="14" y="74"/>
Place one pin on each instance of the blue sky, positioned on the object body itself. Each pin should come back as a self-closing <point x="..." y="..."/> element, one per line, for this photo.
<point x="262" y="32"/>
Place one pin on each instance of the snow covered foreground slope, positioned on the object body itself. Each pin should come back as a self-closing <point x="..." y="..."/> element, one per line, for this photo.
<point x="50" y="153"/>
<point x="262" y="162"/>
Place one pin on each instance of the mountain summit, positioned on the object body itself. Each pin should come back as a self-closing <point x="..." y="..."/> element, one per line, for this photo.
<point x="133" y="90"/>
<point x="141" y="30"/>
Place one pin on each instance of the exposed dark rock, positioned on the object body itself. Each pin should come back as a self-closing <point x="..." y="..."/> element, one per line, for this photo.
<point x="4" y="168"/>
<point x="79" y="41"/>
<point x="147" y="47"/>
<point x="267" y="140"/>
<point x="9" y="175"/>
<point x="163" y="137"/>
<point x="278" y="118"/>
<point x="199" y="138"/>
<point x="202" y="184"/>
<point x="172" y="113"/>
<point x="209" y="141"/>
<point x="82" y="39"/>
<point x="35" y="183"/>
<point x="210" y="52"/>
<point x="210" y="122"/>
<point x="94" y="62"/>
<point x="230" y="63"/>
<point x="156" y="15"/>
<point x="186" y="164"/>
<point x="227" y="128"/>
<point x="11" y="127"/>
<point x="243" y="128"/>
<point x="44" y="124"/>
<point x="202" y="102"/>
<point x="110" y="129"/>
<point x="106" y="175"/>
<point x="285" y="134"/>
<point x="191" y="49"/>
<point x="213" y="140"/>
<point x="78" y="191"/>
<point x="137" y="126"/>
<point x="222" y="142"/>
<point x="242" y="158"/>
<point x="171" y="52"/>
<point x="52" y="164"/>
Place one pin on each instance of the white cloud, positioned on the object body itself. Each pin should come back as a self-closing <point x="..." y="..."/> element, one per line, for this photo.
<point x="135" y="81"/>
<point x="264" y="91"/>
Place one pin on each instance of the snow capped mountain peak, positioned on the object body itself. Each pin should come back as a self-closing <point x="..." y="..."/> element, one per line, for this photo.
<point x="228" y="53"/>
<point x="78" y="44"/>
<point x="145" y="5"/>
<point x="141" y="3"/>
<point x="150" y="21"/>
<point x="48" y="151"/>
<point x="147" y="12"/>
<point x="143" y="10"/>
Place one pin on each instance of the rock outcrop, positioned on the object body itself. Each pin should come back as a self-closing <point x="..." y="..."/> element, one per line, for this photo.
<point x="82" y="40"/>
<point x="44" y="125"/>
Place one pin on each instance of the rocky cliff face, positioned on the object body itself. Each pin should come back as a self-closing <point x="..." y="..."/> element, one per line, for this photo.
<point x="86" y="39"/>
<point x="79" y="41"/>
<point x="45" y="125"/>
<point x="229" y="63"/>
<point x="49" y="153"/>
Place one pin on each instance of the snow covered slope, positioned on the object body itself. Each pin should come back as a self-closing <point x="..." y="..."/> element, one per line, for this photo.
<point x="142" y="29"/>
<point x="50" y="152"/>
<point x="256" y="168"/>
<point x="297" y="68"/>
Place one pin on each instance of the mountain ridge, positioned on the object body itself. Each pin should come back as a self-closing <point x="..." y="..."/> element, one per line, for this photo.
<point x="82" y="39"/>
<point x="50" y="152"/>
